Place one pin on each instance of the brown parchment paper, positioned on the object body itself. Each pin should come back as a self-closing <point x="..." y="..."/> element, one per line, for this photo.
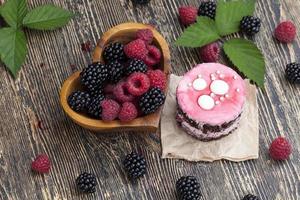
<point x="241" y="145"/>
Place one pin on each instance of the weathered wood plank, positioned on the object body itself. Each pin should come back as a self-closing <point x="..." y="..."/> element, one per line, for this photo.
<point x="32" y="121"/>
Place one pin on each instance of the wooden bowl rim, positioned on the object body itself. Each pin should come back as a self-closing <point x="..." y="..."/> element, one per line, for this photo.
<point x="100" y="124"/>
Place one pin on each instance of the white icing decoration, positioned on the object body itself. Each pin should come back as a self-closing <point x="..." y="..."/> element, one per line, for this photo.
<point x="206" y="102"/>
<point x="212" y="95"/>
<point x="234" y="77"/>
<point x="222" y="98"/>
<point x="217" y="102"/>
<point x="219" y="87"/>
<point x="199" y="84"/>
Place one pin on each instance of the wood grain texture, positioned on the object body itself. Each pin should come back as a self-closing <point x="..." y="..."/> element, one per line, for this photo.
<point x="33" y="122"/>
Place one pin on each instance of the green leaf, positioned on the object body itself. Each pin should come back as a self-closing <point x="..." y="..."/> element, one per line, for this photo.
<point x="13" y="48"/>
<point x="47" y="17"/>
<point x="229" y="14"/>
<point x="13" y="12"/>
<point x="203" y="32"/>
<point x="247" y="58"/>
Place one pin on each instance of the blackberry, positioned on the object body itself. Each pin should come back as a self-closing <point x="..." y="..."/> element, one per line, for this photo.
<point x="188" y="188"/>
<point x="114" y="52"/>
<point x="79" y="101"/>
<point x="135" y="165"/>
<point x="141" y="2"/>
<point x="135" y="65"/>
<point x="86" y="182"/>
<point x="95" y="109"/>
<point x="207" y="9"/>
<point x="151" y="100"/>
<point x="250" y="197"/>
<point x="292" y="72"/>
<point x="94" y="76"/>
<point x="116" y="71"/>
<point x="250" y="25"/>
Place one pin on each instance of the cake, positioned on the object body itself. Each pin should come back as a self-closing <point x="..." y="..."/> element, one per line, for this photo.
<point x="210" y="101"/>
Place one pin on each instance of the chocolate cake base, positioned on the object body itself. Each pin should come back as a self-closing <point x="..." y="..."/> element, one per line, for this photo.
<point x="205" y="132"/>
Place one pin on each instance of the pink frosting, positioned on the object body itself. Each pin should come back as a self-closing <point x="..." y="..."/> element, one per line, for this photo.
<point x="226" y="110"/>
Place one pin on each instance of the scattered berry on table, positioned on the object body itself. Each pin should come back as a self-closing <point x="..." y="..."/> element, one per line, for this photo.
<point x="135" y="165"/>
<point x="187" y="14"/>
<point x="151" y="100"/>
<point x="86" y="182"/>
<point x="210" y="52"/>
<point x="41" y="164"/>
<point x="292" y="72"/>
<point x="207" y="9"/>
<point x="110" y="109"/>
<point x="135" y="65"/>
<point x="188" y="188"/>
<point x="79" y="101"/>
<point x="280" y="149"/>
<point x="153" y="56"/>
<point x="128" y="112"/>
<point x="250" y="197"/>
<point x="93" y="76"/>
<point x="116" y="71"/>
<point x="157" y="79"/>
<point x="121" y="93"/>
<point x="136" y="49"/>
<point x="141" y="2"/>
<point x="285" y="32"/>
<point x="95" y="109"/>
<point x="138" y="83"/>
<point x="250" y="25"/>
<point x="145" y="34"/>
<point x="114" y="52"/>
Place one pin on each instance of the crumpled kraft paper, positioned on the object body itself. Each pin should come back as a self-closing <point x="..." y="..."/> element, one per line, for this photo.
<point x="241" y="145"/>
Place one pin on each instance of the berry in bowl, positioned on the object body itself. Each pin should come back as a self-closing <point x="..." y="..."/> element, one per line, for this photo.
<point x="125" y="86"/>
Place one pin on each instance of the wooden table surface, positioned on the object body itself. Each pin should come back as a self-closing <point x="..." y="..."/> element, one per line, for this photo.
<point x="33" y="122"/>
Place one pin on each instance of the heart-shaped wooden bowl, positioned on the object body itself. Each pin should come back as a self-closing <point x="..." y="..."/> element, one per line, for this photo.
<point x="121" y="33"/>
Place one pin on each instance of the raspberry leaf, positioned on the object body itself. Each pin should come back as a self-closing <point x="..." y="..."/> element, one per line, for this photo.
<point x="47" y="17"/>
<point x="229" y="14"/>
<point x="13" y="12"/>
<point x="13" y="49"/>
<point x="203" y="32"/>
<point x="247" y="58"/>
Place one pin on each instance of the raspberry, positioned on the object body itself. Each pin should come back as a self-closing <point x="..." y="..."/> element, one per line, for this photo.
<point x="187" y="15"/>
<point x="157" y="79"/>
<point x="128" y="112"/>
<point x="153" y="56"/>
<point x="210" y="52"/>
<point x="280" y="149"/>
<point x="136" y="49"/>
<point x="285" y="32"/>
<point x="138" y="83"/>
<point x="145" y="34"/>
<point x="110" y="110"/>
<point x="121" y="93"/>
<point x="41" y="164"/>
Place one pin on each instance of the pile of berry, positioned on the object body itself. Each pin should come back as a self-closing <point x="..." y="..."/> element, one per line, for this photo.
<point x="128" y="85"/>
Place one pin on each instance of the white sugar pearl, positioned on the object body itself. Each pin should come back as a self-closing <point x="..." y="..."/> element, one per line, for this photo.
<point x="219" y="87"/>
<point x="189" y="84"/>
<point x="212" y="75"/>
<point x="217" y="102"/>
<point x="199" y="84"/>
<point x="212" y="95"/>
<point x="222" y="76"/>
<point x="222" y="98"/>
<point x="238" y="90"/>
<point x="206" y="102"/>
<point x="234" y="77"/>
<point x="227" y="95"/>
<point x="213" y="78"/>
<point x="199" y="76"/>
<point x="218" y="72"/>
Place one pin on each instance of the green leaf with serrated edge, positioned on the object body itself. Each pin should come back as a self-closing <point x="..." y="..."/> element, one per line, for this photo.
<point x="203" y="32"/>
<point x="47" y="17"/>
<point x="247" y="58"/>
<point x="13" y="12"/>
<point x="13" y="49"/>
<point x="229" y="14"/>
